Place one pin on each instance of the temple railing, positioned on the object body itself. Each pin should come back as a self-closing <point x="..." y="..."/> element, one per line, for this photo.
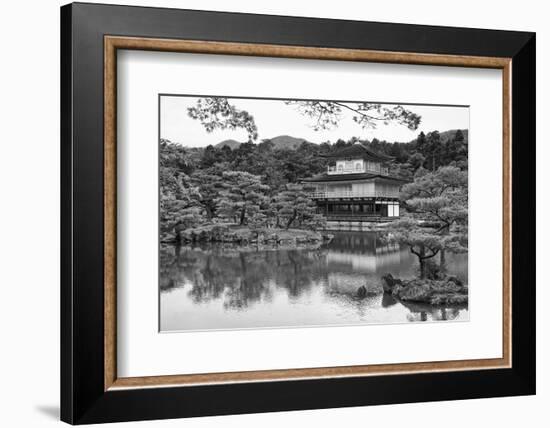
<point x="359" y="217"/>
<point x="353" y="194"/>
<point x="332" y="170"/>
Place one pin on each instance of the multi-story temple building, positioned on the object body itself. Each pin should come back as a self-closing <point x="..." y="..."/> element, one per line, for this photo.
<point x="357" y="186"/>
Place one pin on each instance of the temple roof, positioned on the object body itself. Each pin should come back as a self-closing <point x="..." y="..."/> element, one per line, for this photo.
<point x="359" y="151"/>
<point x="321" y="178"/>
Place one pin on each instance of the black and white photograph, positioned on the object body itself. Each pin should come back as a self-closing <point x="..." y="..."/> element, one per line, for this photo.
<point x="300" y="213"/>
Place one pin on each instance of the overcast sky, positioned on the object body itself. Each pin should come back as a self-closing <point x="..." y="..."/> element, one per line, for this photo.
<point x="274" y="118"/>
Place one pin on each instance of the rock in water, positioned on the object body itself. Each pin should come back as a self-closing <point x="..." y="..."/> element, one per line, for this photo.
<point x="455" y="280"/>
<point x="389" y="283"/>
<point x="447" y="291"/>
<point x="362" y="291"/>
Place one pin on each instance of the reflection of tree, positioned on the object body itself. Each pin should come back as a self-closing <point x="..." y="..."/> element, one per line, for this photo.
<point x="301" y="272"/>
<point x="445" y="314"/>
<point x="170" y="262"/>
<point x="250" y="284"/>
<point x="241" y="278"/>
<point x="424" y="312"/>
<point x="208" y="282"/>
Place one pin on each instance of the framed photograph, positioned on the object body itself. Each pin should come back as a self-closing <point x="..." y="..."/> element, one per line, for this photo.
<point x="266" y="213"/>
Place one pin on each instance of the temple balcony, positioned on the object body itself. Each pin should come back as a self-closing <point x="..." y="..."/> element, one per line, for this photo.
<point x="347" y="222"/>
<point x="330" y="194"/>
<point x="374" y="169"/>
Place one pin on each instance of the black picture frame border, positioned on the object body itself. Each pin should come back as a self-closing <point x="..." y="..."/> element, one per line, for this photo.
<point x="83" y="399"/>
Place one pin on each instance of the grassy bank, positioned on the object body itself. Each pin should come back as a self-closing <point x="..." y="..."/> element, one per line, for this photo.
<point x="245" y="235"/>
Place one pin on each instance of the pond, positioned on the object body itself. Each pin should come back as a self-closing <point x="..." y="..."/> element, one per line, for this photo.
<point x="215" y="286"/>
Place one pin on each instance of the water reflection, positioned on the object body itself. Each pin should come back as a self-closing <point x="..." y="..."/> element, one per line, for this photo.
<point x="220" y="287"/>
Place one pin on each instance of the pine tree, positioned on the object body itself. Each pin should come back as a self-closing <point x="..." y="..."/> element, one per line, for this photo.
<point x="208" y="183"/>
<point x="179" y="205"/>
<point x="433" y="150"/>
<point x="441" y="199"/>
<point x="241" y="196"/>
<point x="421" y="144"/>
<point x="296" y="208"/>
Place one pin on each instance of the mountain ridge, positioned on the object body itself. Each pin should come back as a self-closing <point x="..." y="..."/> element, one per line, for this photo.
<point x="288" y="142"/>
<point x="280" y="142"/>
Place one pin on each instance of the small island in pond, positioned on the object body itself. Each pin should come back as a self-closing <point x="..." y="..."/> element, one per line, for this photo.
<point x="286" y="232"/>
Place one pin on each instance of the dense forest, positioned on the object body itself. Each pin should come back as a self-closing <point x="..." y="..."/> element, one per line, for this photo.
<point x="281" y="163"/>
<point x="259" y="183"/>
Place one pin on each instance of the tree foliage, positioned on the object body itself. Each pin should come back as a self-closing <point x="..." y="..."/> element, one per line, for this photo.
<point x="179" y="202"/>
<point x="423" y="243"/>
<point x="295" y="207"/>
<point x="241" y="197"/>
<point x="217" y="113"/>
<point x="327" y="114"/>
<point x="208" y="184"/>
<point x="441" y="196"/>
<point x="437" y="203"/>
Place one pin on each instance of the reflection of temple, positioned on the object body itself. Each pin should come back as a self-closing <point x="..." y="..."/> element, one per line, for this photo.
<point x="386" y="256"/>
<point x="357" y="187"/>
<point x="363" y="252"/>
<point x="358" y="259"/>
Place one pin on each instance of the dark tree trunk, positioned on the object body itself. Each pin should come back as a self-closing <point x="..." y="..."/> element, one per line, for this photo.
<point x="177" y="229"/>
<point x="442" y="261"/>
<point x="209" y="211"/>
<point x="421" y="255"/>
<point x="243" y="216"/>
<point x="291" y="220"/>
